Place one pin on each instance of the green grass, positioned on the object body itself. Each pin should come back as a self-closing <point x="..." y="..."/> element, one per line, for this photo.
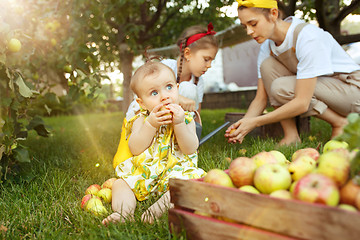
<point x="79" y="153"/>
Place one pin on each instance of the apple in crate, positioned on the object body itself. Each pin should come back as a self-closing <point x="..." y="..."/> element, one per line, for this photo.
<point x="280" y="157"/>
<point x="249" y="188"/>
<point x="264" y="157"/>
<point x="301" y="166"/>
<point x="218" y="177"/>
<point x="242" y="170"/>
<point x="334" y="144"/>
<point x="108" y="183"/>
<point x="348" y="192"/>
<point x="282" y="193"/>
<point x="105" y="194"/>
<point x="347" y="207"/>
<point x="335" y="166"/>
<point x="93" y="189"/>
<point x="317" y="188"/>
<point x="311" y="152"/>
<point x="271" y="177"/>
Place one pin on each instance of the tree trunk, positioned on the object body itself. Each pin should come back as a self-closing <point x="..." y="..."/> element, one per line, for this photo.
<point x="126" y="59"/>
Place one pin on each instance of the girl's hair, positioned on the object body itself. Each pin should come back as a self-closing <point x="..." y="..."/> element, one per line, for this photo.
<point x="147" y="69"/>
<point x="205" y="42"/>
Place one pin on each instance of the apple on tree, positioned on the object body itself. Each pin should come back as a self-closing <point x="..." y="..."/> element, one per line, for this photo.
<point x="14" y="45"/>
<point x="317" y="188"/>
<point x="218" y="177"/>
<point x="242" y="170"/>
<point x="271" y="177"/>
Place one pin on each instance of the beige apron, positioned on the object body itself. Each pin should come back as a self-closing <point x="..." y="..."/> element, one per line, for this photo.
<point x="340" y="92"/>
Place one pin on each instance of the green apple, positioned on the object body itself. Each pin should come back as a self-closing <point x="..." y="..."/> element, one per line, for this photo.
<point x="93" y="202"/>
<point x="93" y="189"/>
<point x="98" y="210"/>
<point x="218" y="177"/>
<point x="311" y="152"/>
<point x="242" y="170"/>
<point x="249" y="188"/>
<point x="335" y="166"/>
<point x="280" y="157"/>
<point x="301" y="166"/>
<point x="348" y="207"/>
<point x="105" y="194"/>
<point x="271" y="177"/>
<point x="14" y="45"/>
<point x="334" y="144"/>
<point x="264" y="157"/>
<point x="282" y="193"/>
<point x="317" y="188"/>
<point x="108" y="183"/>
<point x="292" y="186"/>
<point x="67" y="68"/>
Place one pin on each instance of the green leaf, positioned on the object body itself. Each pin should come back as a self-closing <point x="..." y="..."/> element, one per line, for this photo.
<point x="21" y="155"/>
<point x="24" y="90"/>
<point x="39" y="126"/>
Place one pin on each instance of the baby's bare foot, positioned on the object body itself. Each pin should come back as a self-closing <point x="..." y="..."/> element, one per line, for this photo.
<point x="115" y="217"/>
<point x="148" y="217"/>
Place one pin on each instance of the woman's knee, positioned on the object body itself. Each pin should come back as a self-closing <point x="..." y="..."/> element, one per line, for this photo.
<point x="282" y="89"/>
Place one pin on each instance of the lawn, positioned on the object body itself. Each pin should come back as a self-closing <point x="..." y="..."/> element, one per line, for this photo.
<point x="79" y="153"/>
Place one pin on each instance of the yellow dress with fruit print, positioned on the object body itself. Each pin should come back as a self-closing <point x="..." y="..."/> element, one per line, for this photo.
<point x="148" y="173"/>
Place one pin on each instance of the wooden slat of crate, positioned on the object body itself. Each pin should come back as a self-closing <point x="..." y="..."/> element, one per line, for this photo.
<point x="201" y="227"/>
<point x="287" y="217"/>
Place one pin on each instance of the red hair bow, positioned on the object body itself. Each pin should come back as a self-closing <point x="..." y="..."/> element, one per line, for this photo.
<point x="197" y="36"/>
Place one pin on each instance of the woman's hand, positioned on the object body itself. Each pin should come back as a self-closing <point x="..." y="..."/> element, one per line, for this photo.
<point x="237" y="131"/>
<point x="160" y="115"/>
<point x="187" y="104"/>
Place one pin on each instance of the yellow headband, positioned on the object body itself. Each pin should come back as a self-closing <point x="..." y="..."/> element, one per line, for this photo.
<point x="258" y="3"/>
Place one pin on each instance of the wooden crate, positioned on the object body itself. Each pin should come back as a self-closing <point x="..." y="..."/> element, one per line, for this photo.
<point x="256" y="216"/>
<point x="270" y="130"/>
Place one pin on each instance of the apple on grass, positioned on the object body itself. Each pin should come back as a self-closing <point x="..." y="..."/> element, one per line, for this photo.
<point x="241" y="171"/>
<point x="311" y="152"/>
<point x="317" y="188"/>
<point x="301" y="166"/>
<point x="95" y="206"/>
<point x="271" y="177"/>
<point x="335" y="166"/>
<point x="264" y="157"/>
<point x="86" y="198"/>
<point x="93" y="189"/>
<point x="108" y="183"/>
<point x="249" y="188"/>
<point x="105" y="194"/>
<point x="218" y="177"/>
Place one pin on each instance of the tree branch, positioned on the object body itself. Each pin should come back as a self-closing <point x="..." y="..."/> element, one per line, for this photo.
<point x="345" y="39"/>
<point x="346" y="11"/>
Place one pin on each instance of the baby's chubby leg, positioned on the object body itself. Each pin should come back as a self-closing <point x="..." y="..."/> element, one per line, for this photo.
<point x="157" y="209"/>
<point x="123" y="202"/>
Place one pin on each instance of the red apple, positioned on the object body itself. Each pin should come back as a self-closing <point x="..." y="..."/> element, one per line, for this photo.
<point x="108" y="183"/>
<point x="93" y="189"/>
<point x="348" y="192"/>
<point x="218" y="177"/>
<point x="86" y="198"/>
<point x="317" y="188"/>
<point x="242" y="170"/>
<point x="263" y="157"/>
<point x="271" y="177"/>
<point x="311" y="152"/>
